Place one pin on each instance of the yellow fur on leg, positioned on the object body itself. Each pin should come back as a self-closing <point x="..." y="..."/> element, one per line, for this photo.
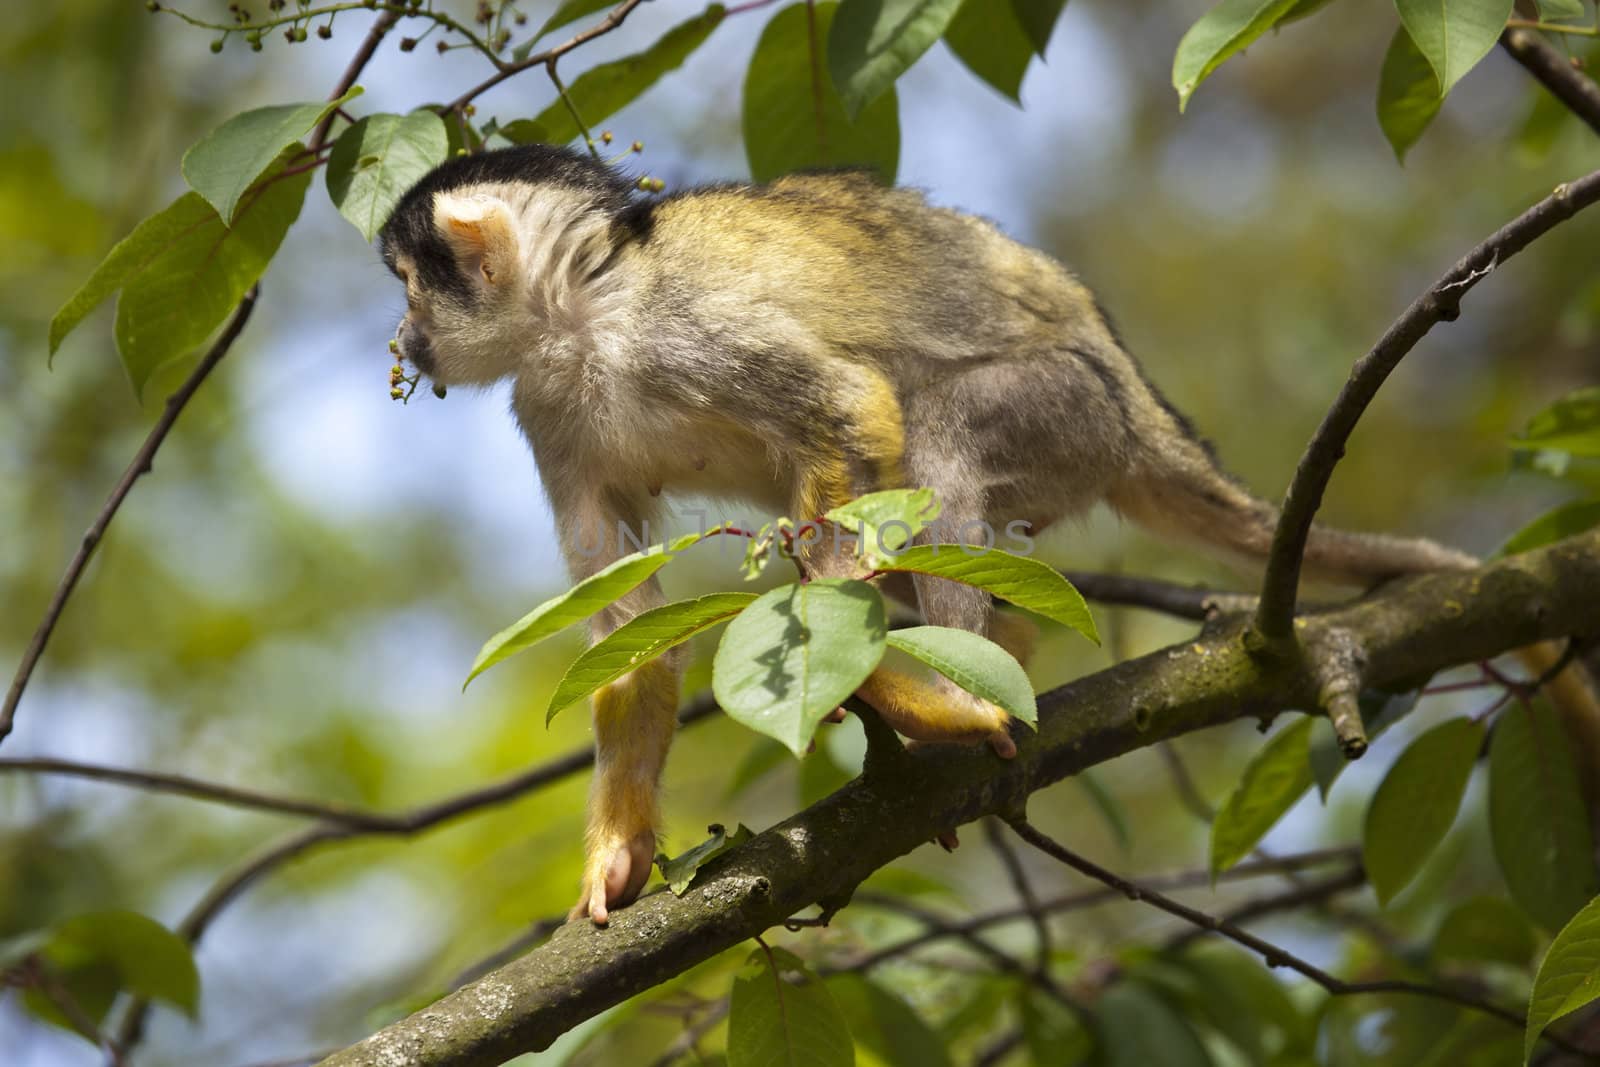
<point x="633" y="722"/>
<point x="941" y="712"/>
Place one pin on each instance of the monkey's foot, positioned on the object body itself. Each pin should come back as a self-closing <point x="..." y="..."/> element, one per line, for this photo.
<point x="613" y="874"/>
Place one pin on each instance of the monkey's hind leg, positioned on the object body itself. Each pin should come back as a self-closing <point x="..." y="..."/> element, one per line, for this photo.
<point x="634" y="718"/>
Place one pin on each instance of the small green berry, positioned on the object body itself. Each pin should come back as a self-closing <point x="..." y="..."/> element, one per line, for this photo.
<point x="397" y="393"/>
<point x="299" y="33"/>
<point x="394" y="345"/>
<point x="216" y="46"/>
<point x="151" y="6"/>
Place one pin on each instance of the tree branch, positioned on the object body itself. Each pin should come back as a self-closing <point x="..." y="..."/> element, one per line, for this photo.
<point x="1556" y="73"/>
<point x="141" y="463"/>
<point x="403" y="824"/>
<point x="1272" y="954"/>
<point x="1409" y="629"/>
<point x="548" y="57"/>
<point x="1441" y="303"/>
<point x="1169" y="598"/>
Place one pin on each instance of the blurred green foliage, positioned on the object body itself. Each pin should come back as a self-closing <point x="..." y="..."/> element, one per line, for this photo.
<point x="237" y="627"/>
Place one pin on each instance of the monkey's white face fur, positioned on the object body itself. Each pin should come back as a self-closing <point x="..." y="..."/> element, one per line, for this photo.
<point x="527" y="273"/>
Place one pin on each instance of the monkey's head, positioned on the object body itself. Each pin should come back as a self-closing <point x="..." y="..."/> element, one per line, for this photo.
<point x="499" y="249"/>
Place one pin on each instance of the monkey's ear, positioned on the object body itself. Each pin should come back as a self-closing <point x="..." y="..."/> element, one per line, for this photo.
<point x="479" y="231"/>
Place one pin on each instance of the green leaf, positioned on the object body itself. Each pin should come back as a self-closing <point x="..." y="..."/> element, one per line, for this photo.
<point x="149" y="960"/>
<point x="595" y="592"/>
<point x="1573" y="517"/>
<point x="1053" y="1035"/>
<point x="1106" y="803"/>
<point x="990" y="41"/>
<point x="1137" y="1028"/>
<point x="873" y="42"/>
<point x="884" y="1025"/>
<point x="570" y="11"/>
<point x="226" y="162"/>
<point x="887" y="520"/>
<point x="1416" y="804"/>
<point x="1022" y="581"/>
<point x="765" y="755"/>
<point x="1485" y="928"/>
<point x="1537" y="818"/>
<point x="377" y="160"/>
<point x="1276" y="776"/>
<point x="1302" y="9"/>
<point x="1379" y="711"/>
<point x="1238" y="996"/>
<point x="1569" y="976"/>
<point x="975" y="663"/>
<point x="1571" y="425"/>
<point x="1408" y="94"/>
<point x="1226" y="29"/>
<point x="791" y="122"/>
<point x="797" y="653"/>
<point x="640" y="640"/>
<point x="525" y="131"/>
<point x="603" y="90"/>
<point x="680" y="871"/>
<point x="181" y="271"/>
<point x="1038" y="19"/>
<point x="782" y="1015"/>
<point x="1561" y="10"/>
<point x="1453" y="34"/>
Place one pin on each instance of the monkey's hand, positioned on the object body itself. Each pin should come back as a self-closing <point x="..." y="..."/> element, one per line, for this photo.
<point x="941" y="712"/>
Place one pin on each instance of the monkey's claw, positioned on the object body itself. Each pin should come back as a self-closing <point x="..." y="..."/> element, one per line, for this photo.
<point x="614" y="873"/>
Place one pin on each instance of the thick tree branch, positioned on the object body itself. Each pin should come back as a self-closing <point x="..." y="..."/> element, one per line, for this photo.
<point x="416" y="821"/>
<point x="140" y="464"/>
<point x="1441" y="303"/>
<point x="1556" y="73"/>
<point x="1409" y="630"/>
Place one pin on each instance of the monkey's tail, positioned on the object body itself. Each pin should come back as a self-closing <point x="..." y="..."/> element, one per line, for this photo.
<point x="1178" y="490"/>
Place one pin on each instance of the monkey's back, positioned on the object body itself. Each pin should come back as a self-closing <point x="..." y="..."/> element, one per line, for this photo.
<point x="874" y="272"/>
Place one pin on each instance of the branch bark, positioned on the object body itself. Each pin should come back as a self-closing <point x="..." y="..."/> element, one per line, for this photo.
<point x="1441" y="303"/>
<point x="1556" y="73"/>
<point x="1409" y="630"/>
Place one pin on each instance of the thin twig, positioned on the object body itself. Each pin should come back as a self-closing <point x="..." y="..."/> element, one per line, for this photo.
<point x="996" y="834"/>
<point x="1555" y="72"/>
<point x="1441" y="303"/>
<point x="427" y="817"/>
<point x="1088" y="898"/>
<point x="939" y="928"/>
<point x="997" y="1050"/>
<point x="535" y="933"/>
<point x="139" y="465"/>
<point x="1183" y="782"/>
<point x="1288" y="900"/>
<point x="199" y="789"/>
<point x="358" y="62"/>
<point x="1169" y="598"/>
<point x="613" y="19"/>
<point x="1273" y="955"/>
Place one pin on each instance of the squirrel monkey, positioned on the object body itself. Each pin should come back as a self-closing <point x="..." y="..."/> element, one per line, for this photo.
<point x="796" y="345"/>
